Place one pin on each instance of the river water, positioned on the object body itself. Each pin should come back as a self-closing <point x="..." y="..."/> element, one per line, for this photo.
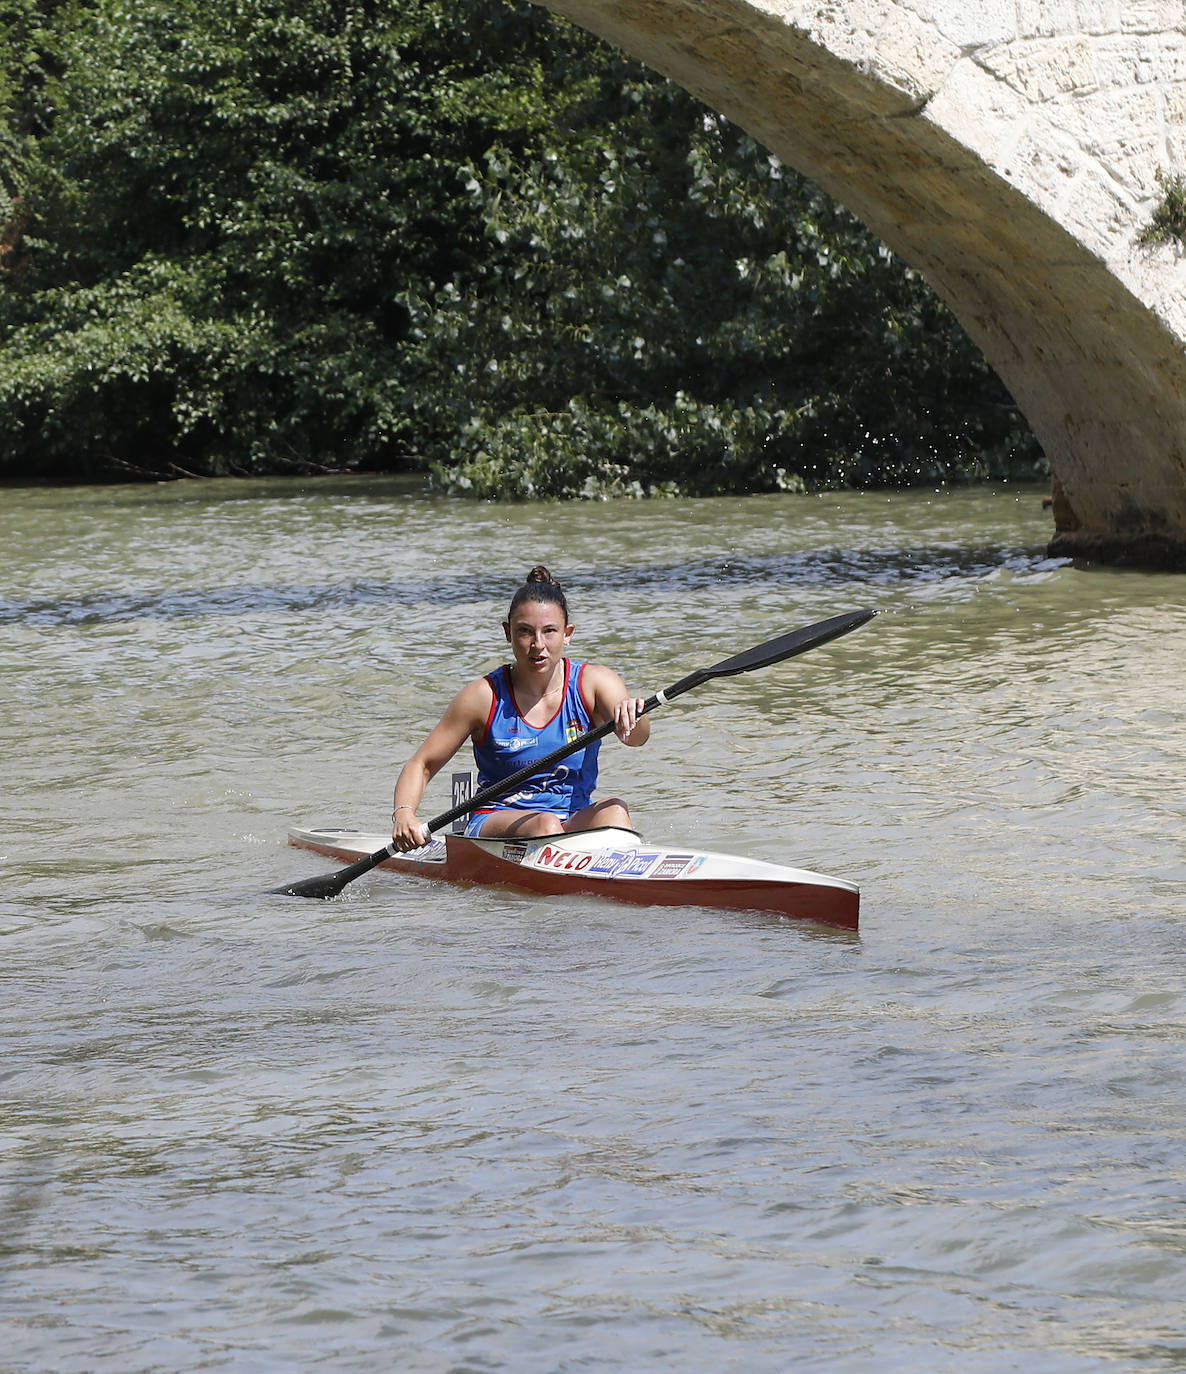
<point x="423" y="1130"/>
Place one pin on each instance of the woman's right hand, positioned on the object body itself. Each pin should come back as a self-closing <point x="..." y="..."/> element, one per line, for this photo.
<point x="407" y="832"/>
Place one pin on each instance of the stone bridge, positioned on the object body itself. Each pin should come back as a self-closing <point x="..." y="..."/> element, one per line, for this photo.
<point x="1008" y="149"/>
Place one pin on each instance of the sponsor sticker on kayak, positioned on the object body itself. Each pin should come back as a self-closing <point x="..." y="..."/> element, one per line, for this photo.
<point x="673" y="865"/>
<point x="622" y="863"/>
<point x="552" y="856"/>
<point x="608" y="861"/>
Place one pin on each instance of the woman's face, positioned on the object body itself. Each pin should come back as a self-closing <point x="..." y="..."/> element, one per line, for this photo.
<point x="538" y="636"/>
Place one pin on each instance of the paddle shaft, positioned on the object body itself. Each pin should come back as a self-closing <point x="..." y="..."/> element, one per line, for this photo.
<point x="761" y="656"/>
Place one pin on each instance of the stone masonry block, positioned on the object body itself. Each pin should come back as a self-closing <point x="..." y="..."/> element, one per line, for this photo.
<point x="1123" y="61"/>
<point x="1151" y="16"/>
<point x="1046" y="166"/>
<point x="921" y="58"/>
<point x="1099" y="16"/>
<point x="1120" y="131"/>
<point x="1141" y="61"/>
<point x="1047" y="18"/>
<point x="981" y="111"/>
<point x="972" y="26"/>
<point x="1098" y="214"/>
<point x="1044" y="68"/>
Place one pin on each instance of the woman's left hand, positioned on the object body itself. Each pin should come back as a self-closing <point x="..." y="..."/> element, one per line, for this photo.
<point x="626" y="716"/>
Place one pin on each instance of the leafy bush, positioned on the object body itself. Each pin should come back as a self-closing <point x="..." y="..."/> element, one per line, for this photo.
<point x="456" y="235"/>
<point x="678" y="311"/>
<point x="1168" y="221"/>
<point x="222" y="220"/>
<point x="685" y="448"/>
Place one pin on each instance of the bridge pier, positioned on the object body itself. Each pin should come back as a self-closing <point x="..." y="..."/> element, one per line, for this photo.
<point x="1010" y="154"/>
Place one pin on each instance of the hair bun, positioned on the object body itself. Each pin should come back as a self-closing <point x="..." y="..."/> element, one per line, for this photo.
<point x="541" y="588"/>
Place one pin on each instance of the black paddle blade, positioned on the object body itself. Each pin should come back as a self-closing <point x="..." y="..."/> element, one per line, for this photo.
<point x="330" y="884"/>
<point x="327" y="886"/>
<point x="788" y="645"/>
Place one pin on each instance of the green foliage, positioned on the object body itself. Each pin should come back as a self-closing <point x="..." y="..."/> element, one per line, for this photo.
<point x="676" y="310"/>
<point x="10" y="176"/>
<point x="254" y="179"/>
<point x="31" y="37"/>
<point x="1168" y="221"/>
<point x="590" y="452"/>
<point x="268" y="235"/>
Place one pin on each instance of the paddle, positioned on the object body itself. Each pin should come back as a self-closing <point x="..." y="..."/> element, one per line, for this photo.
<point x="761" y="656"/>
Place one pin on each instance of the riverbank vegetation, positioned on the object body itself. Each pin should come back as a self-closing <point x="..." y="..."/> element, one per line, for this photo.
<point x="455" y="236"/>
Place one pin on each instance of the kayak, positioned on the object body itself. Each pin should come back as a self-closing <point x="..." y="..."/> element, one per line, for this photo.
<point x="608" y="862"/>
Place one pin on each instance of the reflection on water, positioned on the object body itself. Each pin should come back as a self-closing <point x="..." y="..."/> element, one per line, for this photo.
<point x="721" y="576"/>
<point x="428" y="1129"/>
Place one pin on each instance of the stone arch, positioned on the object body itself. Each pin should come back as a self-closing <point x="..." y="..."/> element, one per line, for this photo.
<point x="1009" y="151"/>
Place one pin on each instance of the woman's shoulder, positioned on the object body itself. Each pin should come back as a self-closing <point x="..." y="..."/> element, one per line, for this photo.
<point x="597" y="672"/>
<point x="474" y="699"/>
<point x="598" y="684"/>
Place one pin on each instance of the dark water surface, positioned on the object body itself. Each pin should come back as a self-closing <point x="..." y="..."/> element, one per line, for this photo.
<point x="420" y="1130"/>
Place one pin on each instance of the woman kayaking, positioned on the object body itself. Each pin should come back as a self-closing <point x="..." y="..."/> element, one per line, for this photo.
<point x="523" y="711"/>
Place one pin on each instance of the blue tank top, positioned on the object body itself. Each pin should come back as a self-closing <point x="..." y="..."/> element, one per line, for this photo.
<point x="508" y="743"/>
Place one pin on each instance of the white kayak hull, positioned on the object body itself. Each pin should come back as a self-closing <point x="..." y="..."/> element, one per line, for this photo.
<point x="608" y="862"/>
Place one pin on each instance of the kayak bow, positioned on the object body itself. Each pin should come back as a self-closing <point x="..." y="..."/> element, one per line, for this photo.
<point x="608" y="862"/>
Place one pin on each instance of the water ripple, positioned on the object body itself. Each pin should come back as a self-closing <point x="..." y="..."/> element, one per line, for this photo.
<point x="810" y="569"/>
